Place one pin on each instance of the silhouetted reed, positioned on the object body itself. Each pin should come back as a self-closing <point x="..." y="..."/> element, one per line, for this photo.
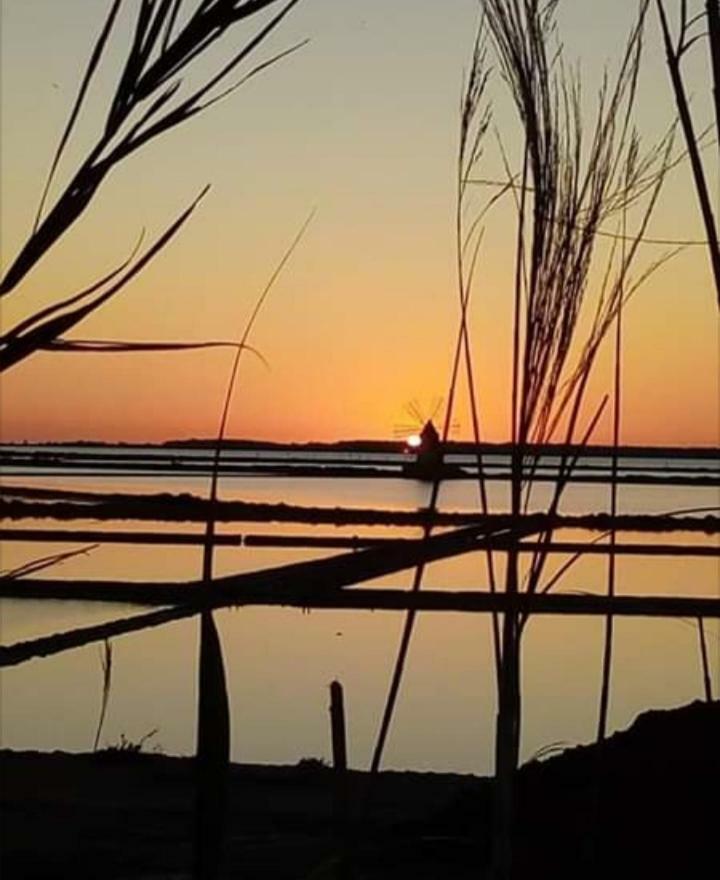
<point x="33" y="566"/>
<point x="167" y="37"/>
<point x="475" y="119"/>
<point x="571" y="184"/>
<point x="704" y="661"/>
<point x="675" y="49"/>
<point x="213" y="715"/>
<point x="106" y="661"/>
<point x="150" y="99"/>
<point x="611" y="568"/>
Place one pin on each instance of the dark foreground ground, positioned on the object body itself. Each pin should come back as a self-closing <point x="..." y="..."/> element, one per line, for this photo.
<point x="646" y="805"/>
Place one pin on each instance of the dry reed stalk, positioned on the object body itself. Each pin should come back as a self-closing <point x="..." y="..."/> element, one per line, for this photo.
<point x="213" y="717"/>
<point x="43" y="562"/>
<point x="106" y="667"/>
<point x="675" y="49"/>
<point x="39" y="330"/>
<point x="712" y="8"/>
<point x="474" y="122"/>
<point x="475" y="118"/>
<point x="570" y="186"/>
<point x="611" y="572"/>
<point x="704" y="662"/>
<point x="151" y="98"/>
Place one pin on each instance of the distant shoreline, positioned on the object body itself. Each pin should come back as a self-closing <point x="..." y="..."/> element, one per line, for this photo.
<point x="383" y="446"/>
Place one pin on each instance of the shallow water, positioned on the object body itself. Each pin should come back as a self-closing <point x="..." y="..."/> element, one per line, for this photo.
<point x="280" y="662"/>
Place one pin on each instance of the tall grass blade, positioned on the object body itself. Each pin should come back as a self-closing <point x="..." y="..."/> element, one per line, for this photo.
<point x="106" y="666"/>
<point x="704" y="662"/>
<point x="213" y="726"/>
<point x="107" y="346"/>
<point x="18" y="347"/>
<point x="156" y="52"/>
<point x="712" y="8"/>
<point x="44" y="562"/>
<point x="51" y="310"/>
<point x="75" y="112"/>
<point x="673" y="55"/>
<point x="212" y="753"/>
<point x="474" y="123"/>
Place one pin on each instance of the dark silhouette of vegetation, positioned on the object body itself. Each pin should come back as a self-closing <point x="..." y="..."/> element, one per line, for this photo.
<point x="130" y="746"/>
<point x="151" y="98"/>
<point x="687" y="34"/>
<point x="106" y="659"/>
<point x="658" y="793"/>
<point x="213" y="716"/>
<point x="574" y="180"/>
<point x="570" y="186"/>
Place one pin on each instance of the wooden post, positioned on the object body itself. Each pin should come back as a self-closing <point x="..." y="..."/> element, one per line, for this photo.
<point x="341" y="793"/>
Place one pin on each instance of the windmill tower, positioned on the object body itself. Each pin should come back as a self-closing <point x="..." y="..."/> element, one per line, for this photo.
<point x="419" y="430"/>
<point x="422" y="439"/>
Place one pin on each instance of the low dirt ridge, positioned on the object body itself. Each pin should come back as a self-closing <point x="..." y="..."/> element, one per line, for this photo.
<point x="644" y="804"/>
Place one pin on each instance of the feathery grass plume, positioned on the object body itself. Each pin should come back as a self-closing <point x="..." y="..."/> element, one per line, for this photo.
<point x="151" y="97"/>
<point x="675" y="49"/>
<point x="571" y="185"/>
<point x="213" y="717"/>
<point x="106" y="657"/>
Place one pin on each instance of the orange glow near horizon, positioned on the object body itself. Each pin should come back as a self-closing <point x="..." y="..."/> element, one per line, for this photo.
<point x="365" y="315"/>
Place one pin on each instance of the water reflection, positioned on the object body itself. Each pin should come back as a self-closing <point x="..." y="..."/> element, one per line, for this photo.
<point x="280" y="661"/>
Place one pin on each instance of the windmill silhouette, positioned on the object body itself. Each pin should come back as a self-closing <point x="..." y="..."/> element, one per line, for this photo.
<point x="418" y="418"/>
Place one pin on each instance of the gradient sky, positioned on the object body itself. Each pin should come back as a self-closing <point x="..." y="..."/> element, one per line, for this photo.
<point x="362" y="125"/>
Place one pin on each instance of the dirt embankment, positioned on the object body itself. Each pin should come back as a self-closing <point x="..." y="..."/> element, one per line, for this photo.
<point x="644" y="804"/>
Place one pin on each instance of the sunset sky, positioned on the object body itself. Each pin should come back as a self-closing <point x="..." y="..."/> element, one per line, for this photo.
<point x="361" y="124"/>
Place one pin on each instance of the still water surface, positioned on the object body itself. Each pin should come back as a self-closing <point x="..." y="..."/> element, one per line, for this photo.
<point x="280" y="662"/>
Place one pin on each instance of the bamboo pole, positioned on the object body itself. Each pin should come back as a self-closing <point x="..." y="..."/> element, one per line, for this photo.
<point x="97" y="536"/>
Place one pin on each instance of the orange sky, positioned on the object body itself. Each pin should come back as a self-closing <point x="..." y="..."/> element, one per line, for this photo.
<point x="361" y="125"/>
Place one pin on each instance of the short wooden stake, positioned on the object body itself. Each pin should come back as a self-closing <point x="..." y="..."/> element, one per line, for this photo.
<point x="340" y="773"/>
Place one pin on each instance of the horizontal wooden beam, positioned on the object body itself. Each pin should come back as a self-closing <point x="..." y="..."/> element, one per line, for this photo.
<point x="377" y="600"/>
<point x="567" y="547"/>
<point x="98" y="536"/>
<point x="341" y="570"/>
